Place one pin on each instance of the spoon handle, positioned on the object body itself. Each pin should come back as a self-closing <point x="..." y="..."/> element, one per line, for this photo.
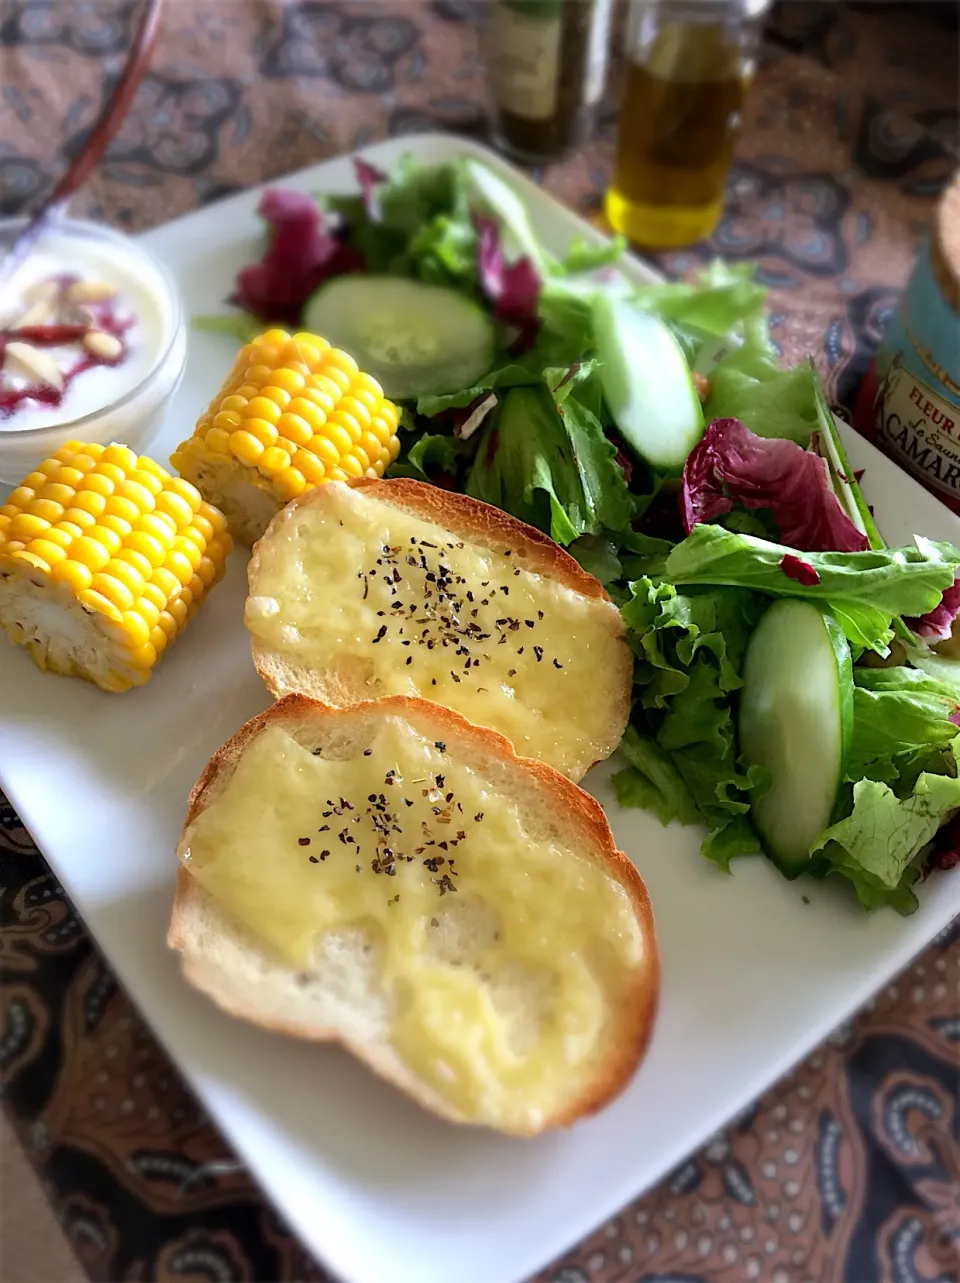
<point x="97" y="140"/>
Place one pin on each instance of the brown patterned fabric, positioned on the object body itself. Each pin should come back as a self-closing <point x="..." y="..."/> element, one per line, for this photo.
<point x="848" y="1171"/>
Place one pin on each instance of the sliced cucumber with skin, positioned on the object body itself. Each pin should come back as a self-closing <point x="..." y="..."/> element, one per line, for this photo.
<point x="795" y="720"/>
<point x="415" y="339"/>
<point x="647" y="384"/>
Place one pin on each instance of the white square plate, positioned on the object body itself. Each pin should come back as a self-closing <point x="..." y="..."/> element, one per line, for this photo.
<point x="753" y="977"/>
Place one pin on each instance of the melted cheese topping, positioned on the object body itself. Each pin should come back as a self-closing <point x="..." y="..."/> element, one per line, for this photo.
<point x="357" y="587"/>
<point x="502" y="952"/>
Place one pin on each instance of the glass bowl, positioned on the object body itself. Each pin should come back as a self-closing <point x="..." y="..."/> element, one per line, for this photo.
<point x="132" y="417"/>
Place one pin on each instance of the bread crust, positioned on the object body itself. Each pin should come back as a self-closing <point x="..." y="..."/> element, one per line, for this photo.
<point x="470" y="519"/>
<point x="577" y="812"/>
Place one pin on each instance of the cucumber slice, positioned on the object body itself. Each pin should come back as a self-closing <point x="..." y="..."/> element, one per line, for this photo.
<point x="647" y="384"/>
<point x="795" y="720"/>
<point x="415" y="339"/>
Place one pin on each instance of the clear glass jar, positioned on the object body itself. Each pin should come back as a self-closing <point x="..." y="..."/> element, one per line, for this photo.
<point x="687" y="69"/>
<point x="547" y="62"/>
<point x="125" y="404"/>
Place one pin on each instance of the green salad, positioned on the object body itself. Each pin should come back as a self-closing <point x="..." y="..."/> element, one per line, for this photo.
<point x="789" y="693"/>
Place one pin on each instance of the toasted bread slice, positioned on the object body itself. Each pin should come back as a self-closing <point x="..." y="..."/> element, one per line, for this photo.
<point x="395" y="879"/>
<point x="400" y="588"/>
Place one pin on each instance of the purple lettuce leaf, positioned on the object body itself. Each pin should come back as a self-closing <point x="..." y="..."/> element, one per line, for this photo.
<point x="731" y="465"/>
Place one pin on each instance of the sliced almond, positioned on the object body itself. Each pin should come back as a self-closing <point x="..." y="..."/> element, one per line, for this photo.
<point x="41" y="303"/>
<point x="35" y="364"/>
<point x="105" y="347"/>
<point x="33" y="306"/>
<point x="90" y="292"/>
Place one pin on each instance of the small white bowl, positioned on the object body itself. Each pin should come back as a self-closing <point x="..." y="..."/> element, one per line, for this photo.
<point x="134" y="416"/>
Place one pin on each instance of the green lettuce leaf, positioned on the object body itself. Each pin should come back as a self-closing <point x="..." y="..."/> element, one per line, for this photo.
<point x="544" y="458"/>
<point x="724" y="299"/>
<point x="652" y="782"/>
<point x="901" y="725"/>
<point x="586" y="256"/>
<point x="689" y="649"/>
<point x="866" y="590"/>
<point x="432" y="452"/>
<point x="598" y="557"/>
<point x="877" y="845"/>
<point x="424" y="229"/>
<point x="770" y="401"/>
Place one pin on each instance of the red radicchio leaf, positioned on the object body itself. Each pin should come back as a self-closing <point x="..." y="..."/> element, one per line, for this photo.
<point x="945" y="853"/>
<point x="513" y="289"/>
<point x="937" y="624"/>
<point x="370" y="179"/>
<point x="800" y="570"/>
<point x="731" y="465"/>
<point x="301" y="255"/>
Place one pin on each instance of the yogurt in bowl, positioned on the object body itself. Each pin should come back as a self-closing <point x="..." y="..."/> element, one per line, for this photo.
<point x="92" y="341"/>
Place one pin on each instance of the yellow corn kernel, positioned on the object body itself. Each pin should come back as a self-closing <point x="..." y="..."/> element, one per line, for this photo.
<point x="89" y="553"/>
<point x="149" y="613"/>
<point x="116" y="593"/>
<point x="175" y="507"/>
<point x="297" y="428"/>
<point x="78" y="517"/>
<point x="48" y="509"/>
<point x="26" y="526"/>
<point x="273" y="461"/>
<point x="121" y="570"/>
<point x="289" y="380"/>
<point x="121" y="455"/>
<point x="290" y="483"/>
<point x="91" y="600"/>
<point x="158" y="525"/>
<point x="137" y="562"/>
<point x="218" y="439"/>
<point x="320" y="399"/>
<point x="370" y="445"/>
<point x="142" y="656"/>
<point x="62" y="534"/>
<point x="350" y="425"/>
<point x="214" y="516"/>
<point x="103" y="534"/>
<point x="147" y="546"/>
<point x="326" y="452"/>
<point x="51" y="553"/>
<point x="261" y="407"/>
<point x="117" y="536"/>
<point x="117" y="524"/>
<point x="155" y="595"/>
<point x="245" y="447"/>
<point x="311" y="467"/>
<point x="352" y="466"/>
<point x="137" y="493"/>
<point x="98" y="483"/>
<point x="178" y="610"/>
<point x="168" y="624"/>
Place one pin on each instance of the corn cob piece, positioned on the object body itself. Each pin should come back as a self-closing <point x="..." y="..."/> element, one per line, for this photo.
<point x="104" y="559"/>
<point x="293" y="413"/>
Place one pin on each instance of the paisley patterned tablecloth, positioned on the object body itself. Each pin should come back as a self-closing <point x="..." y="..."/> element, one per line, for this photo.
<point x="849" y="1170"/>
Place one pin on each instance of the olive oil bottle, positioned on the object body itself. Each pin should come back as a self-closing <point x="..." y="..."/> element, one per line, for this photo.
<point x="689" y="63"/>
